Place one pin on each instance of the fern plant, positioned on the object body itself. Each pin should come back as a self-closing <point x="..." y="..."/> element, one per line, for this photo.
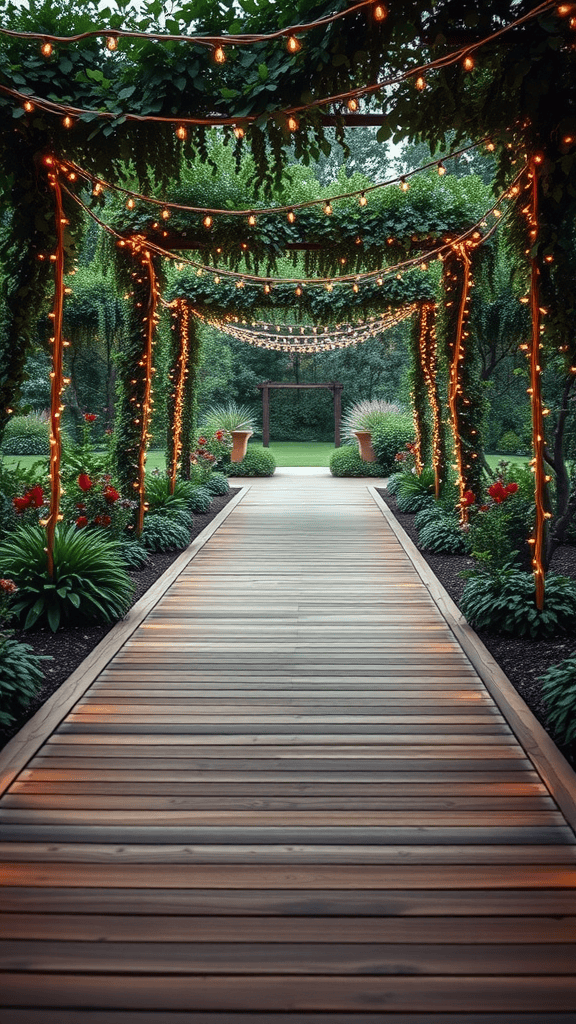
<point x="90" y="581"/>
<point x="164" y="533"/>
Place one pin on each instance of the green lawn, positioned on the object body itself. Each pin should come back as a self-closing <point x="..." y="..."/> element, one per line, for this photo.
<point x="286" y="453"/>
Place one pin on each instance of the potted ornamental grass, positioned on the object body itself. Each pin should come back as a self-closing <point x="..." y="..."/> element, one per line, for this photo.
<point x="238" y="420"/>
<point x="362" y="418"/>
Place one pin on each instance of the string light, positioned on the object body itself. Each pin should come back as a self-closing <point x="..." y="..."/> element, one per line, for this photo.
<point x="67" y="122"/>
<point x="46" y="49"/>
<point x="441" y="169"/>
<point x="181" y="132"/>
<point x="208" y="221"/>
<point x="328" y="208"/>
<point x="427" y="348"/>
<point x="239" y="132"/>
<point x="111" y="43"/>
<point x="404" y="186"/>
<point x="130" y="204"/>
<point x="182" y="325"/>
<point x="293" y="123"/>
<point x="28" y="107"/>
<point x="420" y="83"/>
<point x="165" y="214"/>
<point x="380" y="12"/>
<point x="219" y="55"/>
<point x="291" y="216"/>
<point x="252" y="220"/>
<point x="352" y="105"/>
<point x="362" y="200"/>
<point x="468" y="63"/>
<point x="293" y="45"/>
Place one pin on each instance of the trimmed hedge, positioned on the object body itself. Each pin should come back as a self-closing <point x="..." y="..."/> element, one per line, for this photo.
<point x="256" y="462"/>
<point x="346" y="461"/>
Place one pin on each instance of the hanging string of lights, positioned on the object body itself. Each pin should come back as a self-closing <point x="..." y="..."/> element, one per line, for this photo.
<point x="99" y="185"/>
<point x="71" y="114"/>
<point x="454" y="380"/>
<point x="321" y="339"/>
<point x="111" y="36"/>
<point x="473" y="235"/>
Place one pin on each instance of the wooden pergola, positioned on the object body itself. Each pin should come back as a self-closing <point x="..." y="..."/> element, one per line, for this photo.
<point x="265" y="388"/>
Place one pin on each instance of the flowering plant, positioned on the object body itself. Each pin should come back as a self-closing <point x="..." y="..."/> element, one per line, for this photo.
<point x="94" y="501"/>
<point x="210" y="450"/>
<point x="33" y="498"/>
<point x="7" y="590"/>
<point x="406" y="459"/>
<point x="500" y="524"/>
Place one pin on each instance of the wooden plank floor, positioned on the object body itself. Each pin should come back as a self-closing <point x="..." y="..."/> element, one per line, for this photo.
<point x="289" y="798"/>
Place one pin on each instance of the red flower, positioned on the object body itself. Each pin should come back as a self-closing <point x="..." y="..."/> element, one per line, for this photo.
<point x="484" y="508"/>
<point x="497" y="492"/>
<point x="512" y="488"/>
<point x="8" y="586"/>
<point x="103" y="520"/>
<point x="84" y="482"/>
<point x="35" y="497"/>
<point x="219" y="435"/>
<point x="202" y="440"/>
<point x="21" y="503"/>
<point x="468" y="498"/>
<point x="111" y="494"/>
<point x="90" y="417"/>
<point x="81" y="521"/>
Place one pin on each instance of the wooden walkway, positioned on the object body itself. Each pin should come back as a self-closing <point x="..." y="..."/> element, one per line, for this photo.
<point x="289" y="798"/>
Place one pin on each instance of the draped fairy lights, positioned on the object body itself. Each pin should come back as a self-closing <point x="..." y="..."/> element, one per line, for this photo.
<point x="57" y="372"/>
<point x="477" y="234"/>
<point x="455" y="389"/>
<point x="146" y="282"/>
<point x="297" y="338"/>
<point x="251" y="214"/>
<point x="535" y="392"/>
<point x="427" y="349"/>
<point x="462" y="56"/>
<point x="181" y="326"/>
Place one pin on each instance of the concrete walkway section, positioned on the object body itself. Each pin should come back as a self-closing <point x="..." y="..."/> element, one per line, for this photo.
<point x="289" y="798"/>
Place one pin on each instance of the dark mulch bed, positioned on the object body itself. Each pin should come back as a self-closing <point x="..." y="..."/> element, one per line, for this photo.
<point x="523" y="661"/>
<point x="71" y="644"/>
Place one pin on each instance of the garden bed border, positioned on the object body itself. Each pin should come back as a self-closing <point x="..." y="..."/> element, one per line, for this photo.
<point x="550" y="764"/>
<point x="25" y="744"/>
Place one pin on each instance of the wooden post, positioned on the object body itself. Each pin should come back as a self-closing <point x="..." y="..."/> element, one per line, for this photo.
<point x="337" y="393"/>
<point x="265" y="415"/>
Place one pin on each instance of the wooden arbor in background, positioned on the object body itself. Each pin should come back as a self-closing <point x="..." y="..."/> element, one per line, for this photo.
<point x="336" y="390"/>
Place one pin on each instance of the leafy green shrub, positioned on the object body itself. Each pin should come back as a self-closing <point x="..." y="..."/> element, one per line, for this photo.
<point x="20" y="676"/>
<point x="346" y="461"/>
<point x="443" y="534"/>
<point x="90" y="581"/>
<point x="164" y="533"/>
<point x="200" y="499"/>
<point x="367" y="415"/>
<point x="176" y="506"/>
<point x="393" y="482"/>
<point x="389" y="438"/>
<point x="26" y="435"/>
<point x="510" y="472"/>
<point x="413" y="492"/>
<point x="510" y="444"/>
<point x="94" y="502"/>
<point x="134" y="556"/>
<point x="559" y="692"/>
<point x="229" y="416"/>
<point x="502" y="601"/>
<point x="429" y="514"/>
<point x="256" y="462"/>
<point x="217" y="483"/>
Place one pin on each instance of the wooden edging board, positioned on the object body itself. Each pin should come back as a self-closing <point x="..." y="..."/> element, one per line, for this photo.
<point x="32" y="735"/>
<point x="552" y="767"/>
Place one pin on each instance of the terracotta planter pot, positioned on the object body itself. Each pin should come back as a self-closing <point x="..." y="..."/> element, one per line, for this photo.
<point x="240" y="444"/>
<point x="364" y="438"/>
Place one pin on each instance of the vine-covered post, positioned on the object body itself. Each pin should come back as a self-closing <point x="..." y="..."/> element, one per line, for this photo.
<point x="428" y="362"/>
<point x="136" y="370"/>
<point x="465" y="400"/>
<point x="535" y="391"/>
<point x="57" y="372"/>
<point x="418" y="395"/>
<point x="178" y="375"/>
